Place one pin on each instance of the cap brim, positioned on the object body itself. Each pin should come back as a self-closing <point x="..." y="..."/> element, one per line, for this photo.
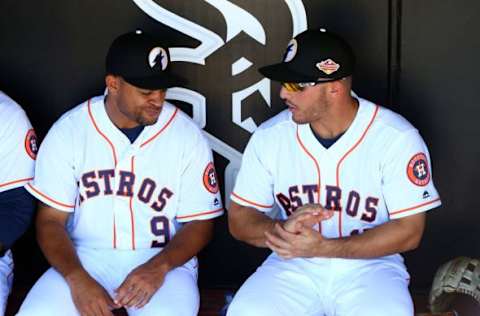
<point x="282" y="72"/>
<point x="155" y="82"/>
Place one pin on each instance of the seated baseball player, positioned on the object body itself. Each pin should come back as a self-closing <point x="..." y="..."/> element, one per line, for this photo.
<point x="128" y="194"/>
<point x="352" y="180"/>
<point x="17" y="160"/>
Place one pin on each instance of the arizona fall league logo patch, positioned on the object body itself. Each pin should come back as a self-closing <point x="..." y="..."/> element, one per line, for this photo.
<point x="418" y="171"/>
<point x="31" y="144"/>
<point x="328" y="66"/>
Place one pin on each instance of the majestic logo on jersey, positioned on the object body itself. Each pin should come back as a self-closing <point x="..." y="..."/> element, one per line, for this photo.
<point x="328" y="66"/>
<point x="418" y="171"/>
<point x="158" y="58"/>
<point x="291" y="50"/>
<point x="210" y="179"/>
<point x="223" y="44"/>
<point x="31" y="144"/>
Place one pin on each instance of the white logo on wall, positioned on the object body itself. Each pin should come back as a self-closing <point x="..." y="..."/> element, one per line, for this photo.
<point x="237" y="20"/>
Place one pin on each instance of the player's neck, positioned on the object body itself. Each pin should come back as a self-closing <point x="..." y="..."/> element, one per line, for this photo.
<point x="337" y="120"/>
<point x="117" y="117"/>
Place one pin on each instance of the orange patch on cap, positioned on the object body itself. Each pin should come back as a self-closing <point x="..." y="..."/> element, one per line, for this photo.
<point x="328" y="66"/>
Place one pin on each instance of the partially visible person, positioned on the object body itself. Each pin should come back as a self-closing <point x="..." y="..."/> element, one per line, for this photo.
<point x="18" y="151"/>
<point x="128" y="194"/>
<point x="353" y="182"/>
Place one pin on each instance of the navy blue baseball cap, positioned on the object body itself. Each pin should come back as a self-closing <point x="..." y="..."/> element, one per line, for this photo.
<point x="313" y="56"/>
<point x="141" y="61"/>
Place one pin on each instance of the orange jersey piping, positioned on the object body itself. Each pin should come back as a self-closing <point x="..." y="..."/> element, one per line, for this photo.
<point x="250" y="202"/>
<point x="15" y="181"/>
<point x="414" y="207"/>
<point x="49" y="198"/>
<point x="161" y="130"/>
<point x="345" y="156"/>
<point x="317" y="166"/>
<point x="101" y="133"/>
<point x="132" y="218"/>
<point x="114" y="232"/>
<point x="201" y="213"/>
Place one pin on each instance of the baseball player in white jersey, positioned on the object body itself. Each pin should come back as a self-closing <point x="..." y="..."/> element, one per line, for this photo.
<point x="132" y="180"/>
<point x="17" y="160"/>
<point x="353" y="182"/>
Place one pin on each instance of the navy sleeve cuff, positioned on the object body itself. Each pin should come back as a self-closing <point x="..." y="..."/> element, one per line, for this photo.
<point x="16" y="211"/>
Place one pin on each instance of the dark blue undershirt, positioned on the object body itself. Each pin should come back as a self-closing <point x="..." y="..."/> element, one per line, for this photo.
<point x="326" y="142"/>
<point x="16" y="211"/>
<point x="132" y="133"/>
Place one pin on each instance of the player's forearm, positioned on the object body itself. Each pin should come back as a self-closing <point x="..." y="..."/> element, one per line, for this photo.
<point x="58" y="248"/>
<point x="393" y="237"/>
<point x="186" y="244"/>
<point x="249" y="225"/>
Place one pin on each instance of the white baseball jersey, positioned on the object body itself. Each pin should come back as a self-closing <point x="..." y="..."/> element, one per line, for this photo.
<point x="377" y="171"/>
<point x="124" y="195"/>
<point x="17" y="161"/>
<point x="19" y="145"/>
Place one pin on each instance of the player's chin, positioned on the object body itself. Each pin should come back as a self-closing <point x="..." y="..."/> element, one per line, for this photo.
<point x="148" y="119"/>
<point x="299" y="119"/>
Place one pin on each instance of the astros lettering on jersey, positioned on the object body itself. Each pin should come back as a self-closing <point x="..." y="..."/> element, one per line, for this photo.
<point x="124" y="195"/>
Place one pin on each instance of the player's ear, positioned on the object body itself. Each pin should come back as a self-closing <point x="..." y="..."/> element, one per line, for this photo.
<point x="339" y="87"/>
<point x="333" y="87"/>
<point x="112" y="83"/>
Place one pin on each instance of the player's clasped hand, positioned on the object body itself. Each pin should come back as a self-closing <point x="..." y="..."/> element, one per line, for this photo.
<point x="306" y="216"/>
<point x="90" y="298"/>
<point x="140" y="285"/>
<point x="296" y="236"/>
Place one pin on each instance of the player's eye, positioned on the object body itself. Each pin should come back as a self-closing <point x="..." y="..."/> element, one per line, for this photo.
<point x="145" y="92"/>
<point x="297" y="86"/>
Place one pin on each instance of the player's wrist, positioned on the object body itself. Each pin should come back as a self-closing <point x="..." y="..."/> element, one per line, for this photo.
<point x="332" y="248"/>
<point x="75" y="275"/>
<point x="165" y="267"/>
<point x="160" y="264"/>
<point x="274" y="223"/>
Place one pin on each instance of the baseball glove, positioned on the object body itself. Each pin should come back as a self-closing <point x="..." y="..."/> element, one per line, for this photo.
<point x="460" y="275"/>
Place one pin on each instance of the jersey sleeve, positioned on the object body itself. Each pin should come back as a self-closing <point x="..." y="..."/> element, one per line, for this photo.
<point x="199" y="189"/>
<point x="407" y="177"/>
<point x="18" y="151"/>
<point x="254" y="183"/>
<point x="55" y="183"/>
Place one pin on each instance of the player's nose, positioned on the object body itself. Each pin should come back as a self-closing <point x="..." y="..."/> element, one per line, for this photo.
<point x="157" y="97"/>
<point x="284" y="93"/>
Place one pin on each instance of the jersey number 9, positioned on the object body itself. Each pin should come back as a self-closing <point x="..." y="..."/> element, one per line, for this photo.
<point x="160" y="229"/>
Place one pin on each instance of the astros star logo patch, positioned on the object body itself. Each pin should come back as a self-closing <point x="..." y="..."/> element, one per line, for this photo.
<point x="418" y="171"/>
<point x="31" y="144"/>
<point x="210" y="179"/>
